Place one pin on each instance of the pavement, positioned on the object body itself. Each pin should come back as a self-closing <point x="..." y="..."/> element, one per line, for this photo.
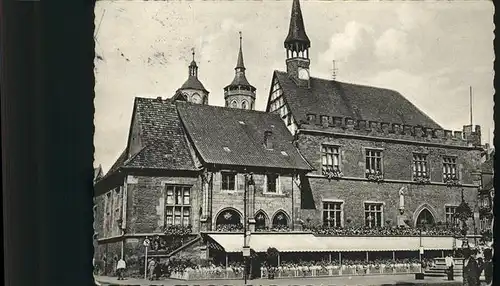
<point x="378" y="280"/>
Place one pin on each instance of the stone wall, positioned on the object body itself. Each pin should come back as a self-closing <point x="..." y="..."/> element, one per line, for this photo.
<point x="355" y="193"/>
<point x="397" y="163"/>
<point x="269" y="203"/>
<point x="146" y="202"/>
<point x="397" y="157"/>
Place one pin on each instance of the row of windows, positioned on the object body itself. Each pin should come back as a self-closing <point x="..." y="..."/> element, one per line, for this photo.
<point x="244" y="104"/>
<point x="333" y="215"/>
<point x="271" y="184"/>
<point x="374" y="163"/>
<point x="178" y="206"/>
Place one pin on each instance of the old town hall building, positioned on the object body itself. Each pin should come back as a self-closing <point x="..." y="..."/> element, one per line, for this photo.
<point x="324" y="153"/>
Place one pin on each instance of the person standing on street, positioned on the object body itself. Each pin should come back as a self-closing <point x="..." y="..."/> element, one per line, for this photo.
<point x="488" y="267"/>
<point x="151" y="268"/>
<point x="120" y="268"/>
<point x="449" y="265"/>
<point x="470" y="269"/>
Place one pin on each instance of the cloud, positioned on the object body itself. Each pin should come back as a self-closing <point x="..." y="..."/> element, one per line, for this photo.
<point x="413" y="16"/>
<point x="345" y="45"/>
<point x="392" y="46"/>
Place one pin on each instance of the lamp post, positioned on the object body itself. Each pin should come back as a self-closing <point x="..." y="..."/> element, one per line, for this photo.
<point x="463" y="213"/>
<point x="246" y="249"/>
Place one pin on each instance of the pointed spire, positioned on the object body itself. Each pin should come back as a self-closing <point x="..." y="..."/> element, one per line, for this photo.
<point x="297" y="32"/>
<point x="240" y="64"/>
<point x="193" y="62"/>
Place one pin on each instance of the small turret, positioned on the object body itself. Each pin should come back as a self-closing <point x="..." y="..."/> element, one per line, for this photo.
<point x="240" y="93"/>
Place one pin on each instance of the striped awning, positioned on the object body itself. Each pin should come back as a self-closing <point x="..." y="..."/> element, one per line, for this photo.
<point x="387" y="243"/>
<point x="260" y="242"/>
<point x="307" y="242"/>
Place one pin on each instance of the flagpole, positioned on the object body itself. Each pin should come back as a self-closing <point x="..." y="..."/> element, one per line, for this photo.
<point x="470" y="103"/>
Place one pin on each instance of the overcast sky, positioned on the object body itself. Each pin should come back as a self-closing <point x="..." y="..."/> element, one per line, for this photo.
<point x="431" y="52"/>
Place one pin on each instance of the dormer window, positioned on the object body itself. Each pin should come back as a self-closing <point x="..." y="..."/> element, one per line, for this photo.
<point x="311" y="117"/>
<point x="268" y="140"/>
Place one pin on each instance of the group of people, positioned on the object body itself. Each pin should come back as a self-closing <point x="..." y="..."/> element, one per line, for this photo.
<point x="381" y="231"/>
<point x="274" y="228"/>
<point x="473" y="267"/>
<point x="156" y="269"/>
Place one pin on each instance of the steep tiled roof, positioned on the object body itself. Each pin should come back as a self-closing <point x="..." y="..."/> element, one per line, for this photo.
<point x="120" y="161"/>
<point x="162" y="136"/>
<point x="230" y="136"/>
<point x="333" y="98"/>
<point x="193" y="83"/>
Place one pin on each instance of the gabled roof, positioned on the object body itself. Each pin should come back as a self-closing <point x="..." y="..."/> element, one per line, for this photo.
<point x="120" y="162"/>
<point x="162" y="136"/>
<point x="334" y="98"/>
<point x="229" y="136"/>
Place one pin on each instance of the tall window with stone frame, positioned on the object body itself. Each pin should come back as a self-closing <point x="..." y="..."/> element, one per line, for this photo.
<point x="330" y="158"/>
<point x="332" y="214"/>
<point x="228" y="181"/>
<point x="177" y="205"/>
<point x="420" y="166"/>
<point x="373" y="162"/>
<point x="117" y="212"/>
<point x="374" y="213"/>
<point x="485" y="223"/>
<point x="272" y="183"/>
<point x="450" y="168"/>
<point x="450" y="218"/>
<point x="107" y="213"/>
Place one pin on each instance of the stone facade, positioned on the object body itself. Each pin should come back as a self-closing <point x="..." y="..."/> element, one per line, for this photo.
<point x="353" y="189"/>
<point x="258" y="199"/>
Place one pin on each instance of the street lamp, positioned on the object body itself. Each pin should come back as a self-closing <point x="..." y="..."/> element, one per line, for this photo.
<point x="420" y="226"/>
<point x="463" y="213"/>
<point x="246" y="249"/>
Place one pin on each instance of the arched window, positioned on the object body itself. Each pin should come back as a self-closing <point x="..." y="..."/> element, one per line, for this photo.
<point x="425" y="218"/>
<point x="260" y="220"/>
<point x="280" y="220"/>
<point x="228" y="220"/>
<point x="244" y="104"/>
<point x="234" y="104"/>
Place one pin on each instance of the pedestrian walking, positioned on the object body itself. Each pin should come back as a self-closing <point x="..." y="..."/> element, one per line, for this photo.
<point x="151" y="268"/>
<point x="157" y="270"/>
<point x="120" y="268"/>
<point x="488" y="267"/>
<point x="470" y="269"/>
<point x="450" y="264"/>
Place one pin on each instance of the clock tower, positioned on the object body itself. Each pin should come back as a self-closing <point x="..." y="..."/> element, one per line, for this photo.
<point x="192" y="90"/>
<point x="297" y="46"/>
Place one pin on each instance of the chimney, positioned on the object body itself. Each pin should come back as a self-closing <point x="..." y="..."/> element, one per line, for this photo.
<point x="268" y="139"/>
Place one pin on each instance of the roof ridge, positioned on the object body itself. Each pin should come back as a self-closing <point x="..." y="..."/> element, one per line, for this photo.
<point x="226" y="108"/>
